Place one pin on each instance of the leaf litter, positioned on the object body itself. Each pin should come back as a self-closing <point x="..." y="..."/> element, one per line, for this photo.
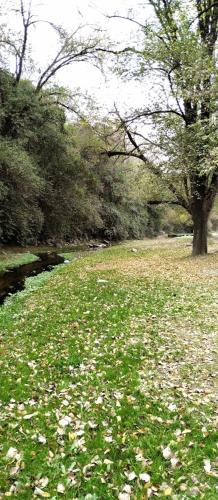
<point x="109" y="383"/>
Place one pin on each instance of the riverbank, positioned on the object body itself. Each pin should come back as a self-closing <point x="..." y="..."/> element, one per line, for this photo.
<point x="12" y="256"/>
<point x="109" y="378"/>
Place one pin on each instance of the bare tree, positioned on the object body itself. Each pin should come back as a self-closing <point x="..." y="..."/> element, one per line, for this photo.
<point x="72" y="47"/>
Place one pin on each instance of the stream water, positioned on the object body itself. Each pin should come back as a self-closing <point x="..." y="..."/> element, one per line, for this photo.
<point x="13" y="280"/>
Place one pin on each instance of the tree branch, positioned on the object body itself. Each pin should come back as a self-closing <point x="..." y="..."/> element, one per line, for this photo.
<point x="69" y="108"/>
<point x="163" y="202"/>
<point x="110" y="154"/>
<point x="26" y="24"/>
<point x="156" y="112"/>
<point x="63" y="59"/>
<point x="126" y="18"/>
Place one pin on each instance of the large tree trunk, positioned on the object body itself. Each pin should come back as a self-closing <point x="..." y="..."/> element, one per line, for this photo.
<point x="200" y="219"/>
<point x="200" y="208"/>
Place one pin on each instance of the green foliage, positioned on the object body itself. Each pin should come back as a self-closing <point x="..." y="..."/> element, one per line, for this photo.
<point x="214" y="216"/>
<point x="55" y="182"/>
<point x="20" y="216"/>
<point x="177" y="50"/>
<point x="112" y="207"/>
<point x="176" y="220"/>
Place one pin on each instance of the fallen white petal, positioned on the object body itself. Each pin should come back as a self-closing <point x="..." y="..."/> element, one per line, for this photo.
<point x="29" y="416"/>
<point x="14" y="470"/>
<point x="108" y="439"/>
<point x="41" y="493"/>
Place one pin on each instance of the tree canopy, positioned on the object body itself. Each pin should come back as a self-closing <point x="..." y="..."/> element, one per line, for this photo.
<point x="179" y="49"/>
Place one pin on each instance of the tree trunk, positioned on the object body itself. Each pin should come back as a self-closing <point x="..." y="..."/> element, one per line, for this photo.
<point x="200" y="209"/>
<point x="200" y="220"/>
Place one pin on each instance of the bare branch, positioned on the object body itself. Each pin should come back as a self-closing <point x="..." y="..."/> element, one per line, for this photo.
<point x="26" y="19"/>
<point x="145" y="114"/>
<point x="126" y="18"/>
<point x="122" y="153"/>
<point x="182" y="201"/>
<point x="69" y="108"/>
<point x="67" y="56"/>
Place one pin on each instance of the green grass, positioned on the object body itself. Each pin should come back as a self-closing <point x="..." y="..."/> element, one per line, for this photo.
<point x="85" y="354"/>
<point x="11" y="259"/>
<point x="15" y="256"/>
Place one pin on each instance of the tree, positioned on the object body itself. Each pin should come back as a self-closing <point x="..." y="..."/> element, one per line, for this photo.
<point x="114" y="206"/>
<point x="45" y="191"/>
<point x="21" y="219"/>
<point x="55" y="183"/>
<point x="72" y="47"/>
<point x="181" y="148"/>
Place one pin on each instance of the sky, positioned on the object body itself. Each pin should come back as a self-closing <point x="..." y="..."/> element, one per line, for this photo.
<point x="105" y="89"/>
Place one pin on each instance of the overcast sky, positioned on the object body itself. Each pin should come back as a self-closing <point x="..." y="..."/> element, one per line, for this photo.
<point x="71" y="13"/>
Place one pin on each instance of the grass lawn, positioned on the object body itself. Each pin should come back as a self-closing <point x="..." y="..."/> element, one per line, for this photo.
<point x="109" y="383"/>
<point x="11" y="259"/>
<point x="15" y="256"/>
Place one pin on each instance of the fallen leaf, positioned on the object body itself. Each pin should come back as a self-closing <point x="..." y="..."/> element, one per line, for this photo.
<point x="127" y="488"/>
<point x="63" y="422"/>
<point x="145" y="477"/>
<point x="207" y="466"/>
<point x="60" y="488"/>
<point x="123" y="496"/>
<point x="41" y="493"/>
<point x="41" y="439"/>
<point x="167" y="453"/>
<point x="130" y="475"/>
<point x="13" y="454"/>
<point x="167" y="492"/>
